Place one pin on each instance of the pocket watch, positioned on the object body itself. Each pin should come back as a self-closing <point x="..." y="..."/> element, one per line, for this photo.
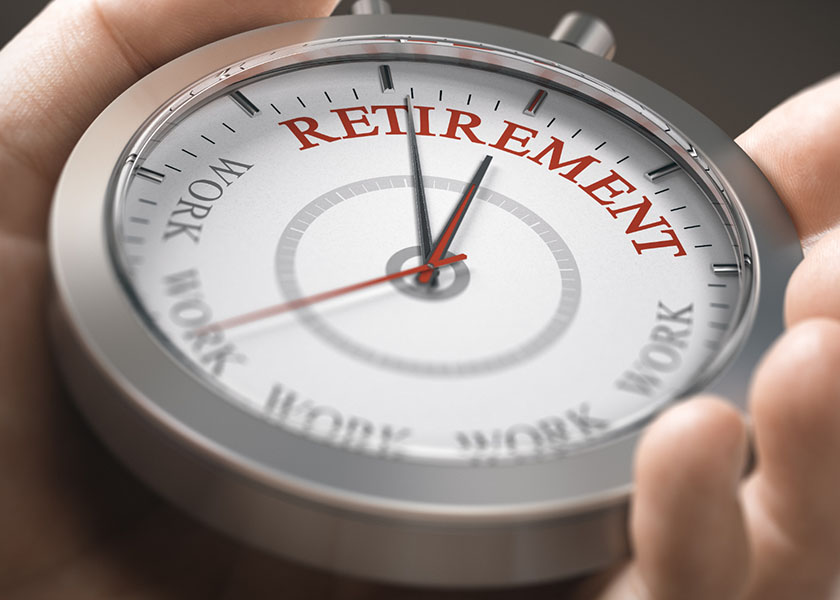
<point x="396" y="296"/>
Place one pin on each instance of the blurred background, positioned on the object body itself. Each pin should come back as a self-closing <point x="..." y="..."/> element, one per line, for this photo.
<point x="732" y="59"/>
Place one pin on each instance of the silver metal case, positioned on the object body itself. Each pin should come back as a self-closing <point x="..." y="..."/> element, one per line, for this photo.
<point x="364" y="515"/>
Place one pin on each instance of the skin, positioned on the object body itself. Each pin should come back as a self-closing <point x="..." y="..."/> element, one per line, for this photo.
<point x="75" y="525"/>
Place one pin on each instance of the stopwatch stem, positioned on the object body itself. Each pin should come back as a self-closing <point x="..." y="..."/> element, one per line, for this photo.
<point x="587" y="32"/>
<point x="371" y="7"/>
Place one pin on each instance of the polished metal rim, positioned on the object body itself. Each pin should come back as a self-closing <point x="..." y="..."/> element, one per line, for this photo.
<point x="149" y="410"/>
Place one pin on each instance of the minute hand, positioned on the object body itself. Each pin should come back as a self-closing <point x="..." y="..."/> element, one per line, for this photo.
<point x="445" y="239"/>
<point x="419" y="190"/>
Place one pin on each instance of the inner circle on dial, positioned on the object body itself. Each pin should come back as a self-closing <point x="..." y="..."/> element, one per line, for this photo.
<point x="456" y="284"/>
<point x="452" y="281"/>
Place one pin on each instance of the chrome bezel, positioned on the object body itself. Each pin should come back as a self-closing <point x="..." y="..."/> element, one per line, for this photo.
<point x="149" y="409"/>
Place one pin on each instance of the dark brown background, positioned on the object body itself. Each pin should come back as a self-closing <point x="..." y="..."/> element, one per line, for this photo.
<point x="732" y="59"/>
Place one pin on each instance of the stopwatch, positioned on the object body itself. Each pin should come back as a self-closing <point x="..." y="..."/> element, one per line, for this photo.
<point x="396" y="296"/>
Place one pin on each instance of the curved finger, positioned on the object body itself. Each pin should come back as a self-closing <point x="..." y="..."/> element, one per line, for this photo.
<point x="796" y="146"/>
<point x="687" y="525"/>
<point x="793" y="499"/>
<point x="814" y="288"/>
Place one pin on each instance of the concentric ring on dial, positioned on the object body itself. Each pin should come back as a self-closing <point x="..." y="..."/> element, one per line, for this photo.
<point x="561" y="319"/>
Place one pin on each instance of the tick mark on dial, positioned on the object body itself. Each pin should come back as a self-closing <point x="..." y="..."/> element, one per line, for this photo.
<point x="726" y="269"/>
<point x="469" y="99"/>
<point x="231" y="129"/>
<point x="601" y="145"/>
<point x="386" y="79"/>
<point x="703" y="246"/>
<point x="717" y="285"/>
<point x="440" y="95"/>
<point x="551" y="121"/>
<point x="495" y="108"/>
<point x="139" y="220"/>
<point x="691" y="227"/>
<point x="244" y="103"/>
<point x="678" y="208"/>
<point x="328" y="97"/>
<point x="207" y="139"/>
<point x="185" y="151"/>
<point x="574" y="135"/>
<point x="134" y="239"/>
<point x="301" y="102"/>
<point x="618" y="162"/>
<point x="277" y="110"/>
<point x="661" y="191"/>
<point x="176" y="169"/>
<point x="720" y="305"/>
<point x="662" y="171"/>
<point x="719" y="325"/>
<point x="535" y="102"/>
<point x="410" y="92"/>
<point x="147" y="201"/>
<point x="150" y="175"/>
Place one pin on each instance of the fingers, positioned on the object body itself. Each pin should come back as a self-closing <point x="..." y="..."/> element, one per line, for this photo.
<point x="77" y="56"/>
<point x="813" y="288"/>
<point x="793" y="500"/>
<point x="796" y="146"/>
<point x="687" y="526"/>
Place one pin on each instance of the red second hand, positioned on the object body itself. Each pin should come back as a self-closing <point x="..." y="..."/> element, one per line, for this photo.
<point x="306" y="301"/>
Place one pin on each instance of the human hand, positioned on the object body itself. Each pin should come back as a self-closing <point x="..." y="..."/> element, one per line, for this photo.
<point x="699" y="530"/>
<point x="73" y="524"/>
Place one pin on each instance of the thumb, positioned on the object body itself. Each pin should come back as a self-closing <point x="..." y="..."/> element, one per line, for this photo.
<point x="78" y="55"/>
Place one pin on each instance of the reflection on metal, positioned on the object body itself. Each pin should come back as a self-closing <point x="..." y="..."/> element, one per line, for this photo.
<point x="371" y="7"/>
<point x="586" y="32"/>
<point x="661" y="172"/>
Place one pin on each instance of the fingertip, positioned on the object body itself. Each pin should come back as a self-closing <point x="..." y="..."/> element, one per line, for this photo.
<point x="686" y="520"/>
<point x="706" y="433"/>
<point x="813" y="287"/>
<point x="797" y="383"/>
<point x="795" y="402"/>
<point x="793" y="496"/>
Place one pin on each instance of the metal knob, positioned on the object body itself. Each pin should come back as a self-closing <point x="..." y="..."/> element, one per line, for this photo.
<point x="371" y="7"/>
<point x="586" y="32"/>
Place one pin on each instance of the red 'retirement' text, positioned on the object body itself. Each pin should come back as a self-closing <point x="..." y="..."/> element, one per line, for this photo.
<point x="647" y="230"/>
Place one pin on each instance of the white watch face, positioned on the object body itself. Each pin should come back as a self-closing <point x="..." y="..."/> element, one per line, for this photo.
<point x="600" y="278"/>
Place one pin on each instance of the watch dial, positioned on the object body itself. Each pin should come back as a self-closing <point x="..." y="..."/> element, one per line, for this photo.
<point x="600" y="278"/>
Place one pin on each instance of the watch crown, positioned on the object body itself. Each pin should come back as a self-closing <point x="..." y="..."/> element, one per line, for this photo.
<point x="584" y="31"/>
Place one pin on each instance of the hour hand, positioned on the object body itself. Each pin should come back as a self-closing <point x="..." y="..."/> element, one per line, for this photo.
<point x="435" y="257"/>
